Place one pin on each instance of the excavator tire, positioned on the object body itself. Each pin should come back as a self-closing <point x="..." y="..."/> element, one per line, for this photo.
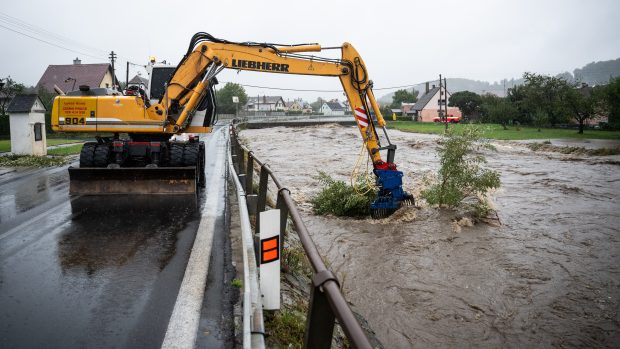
<point x="102" y="155"/>
<point x="201" y="165"/>
<point x="190" y="154"/>
<point x="176" y="155"/>
<point x="87" y="155"/>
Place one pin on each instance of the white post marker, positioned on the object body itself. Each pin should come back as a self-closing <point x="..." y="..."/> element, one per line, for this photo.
<point x="269" y="252"/>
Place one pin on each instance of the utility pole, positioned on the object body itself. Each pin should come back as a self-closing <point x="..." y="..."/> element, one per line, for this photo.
<point x="445" y="99"/>
<point x="112" y="59"/>
<point x="127" y="75"/>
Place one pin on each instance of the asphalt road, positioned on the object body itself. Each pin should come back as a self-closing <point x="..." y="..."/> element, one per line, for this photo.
<point x="103" y="272"/>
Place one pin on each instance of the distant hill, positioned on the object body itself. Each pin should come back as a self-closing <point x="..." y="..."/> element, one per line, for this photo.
<point x="598" y="73"/>
<point x="595" y="73"/>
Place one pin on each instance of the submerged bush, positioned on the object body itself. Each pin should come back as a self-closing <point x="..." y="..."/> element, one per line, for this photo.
<point x="461" y="174"/>
<point x="341" y="199"/>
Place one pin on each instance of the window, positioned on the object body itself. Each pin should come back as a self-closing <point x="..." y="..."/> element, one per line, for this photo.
<point x="38" y="135"/>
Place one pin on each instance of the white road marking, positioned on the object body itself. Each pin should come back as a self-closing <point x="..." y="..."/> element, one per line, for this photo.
<point x="184" y="321"/>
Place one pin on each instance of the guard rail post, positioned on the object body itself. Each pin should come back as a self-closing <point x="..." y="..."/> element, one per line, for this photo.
<point x="261" y="202"/>
<point x="320" y="320"/>
<point x="249" y="174"/>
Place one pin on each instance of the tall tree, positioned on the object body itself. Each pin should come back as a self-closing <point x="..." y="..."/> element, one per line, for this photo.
<point x="224" y="98"/>
<point x="583" y="103"/>
<point x="403" y="96"/>
<point x="612" y="102"/>
<point x="468" y="102"/>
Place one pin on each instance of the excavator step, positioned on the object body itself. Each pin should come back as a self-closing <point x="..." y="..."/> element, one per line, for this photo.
<point x="132" y="180"/>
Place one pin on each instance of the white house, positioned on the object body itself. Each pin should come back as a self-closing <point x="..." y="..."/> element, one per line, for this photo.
<point x="27" y="122"/>
<point x="265" y="103"/>
<point x="332" y="108"/>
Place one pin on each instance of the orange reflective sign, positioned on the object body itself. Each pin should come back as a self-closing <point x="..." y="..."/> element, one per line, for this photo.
<point x="270" y="250"/>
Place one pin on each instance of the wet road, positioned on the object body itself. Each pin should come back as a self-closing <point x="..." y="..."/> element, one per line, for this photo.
<point x="90" y="273"/>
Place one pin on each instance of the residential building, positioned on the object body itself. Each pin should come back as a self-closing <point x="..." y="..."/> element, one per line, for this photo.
<point x="426" y="109"/>
<point x="265" y="103"/>
<point x="69" y="77"/>
<point x="332" y="108"/>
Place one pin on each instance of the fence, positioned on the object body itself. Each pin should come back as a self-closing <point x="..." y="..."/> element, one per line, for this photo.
<point x="326" y="301"/>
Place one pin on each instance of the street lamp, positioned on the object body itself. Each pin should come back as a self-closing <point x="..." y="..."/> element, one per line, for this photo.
<point x="71" y="79"/>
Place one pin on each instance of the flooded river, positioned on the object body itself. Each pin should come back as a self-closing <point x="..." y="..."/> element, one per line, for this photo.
<point x="548" y="275"/>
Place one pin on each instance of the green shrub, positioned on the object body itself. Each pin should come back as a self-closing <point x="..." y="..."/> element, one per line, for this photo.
<point x="341" y="199"/>
<point x="460" y="174"/>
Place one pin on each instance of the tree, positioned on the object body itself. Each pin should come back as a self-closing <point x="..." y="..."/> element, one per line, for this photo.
<point x="611" y="98"/>
<point x="316" y="105"/>
<point x="468" y="102"/>
<point x="8" y="91"/>
<point x="583" y="103"/>
<point x="224" y="98"/>
<point x="403" y="96"/>
<point x="545" y="93"/>
<point x="540" y="118"/>
<point x="498" y="110"/>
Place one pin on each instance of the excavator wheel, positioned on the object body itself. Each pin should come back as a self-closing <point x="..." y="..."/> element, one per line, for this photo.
<point x="87" y="155"/>
<point x="201" y="165"/>
<point x="176" y="154"/>
<point x="101" y="155"/>
<point x="190" y="154"/>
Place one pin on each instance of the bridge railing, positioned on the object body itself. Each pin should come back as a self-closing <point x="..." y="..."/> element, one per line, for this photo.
<point x="327" y="302"/>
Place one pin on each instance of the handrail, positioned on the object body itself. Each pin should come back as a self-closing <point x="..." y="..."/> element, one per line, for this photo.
<point x="326" y="300"/>
<point x="253" y="324"/>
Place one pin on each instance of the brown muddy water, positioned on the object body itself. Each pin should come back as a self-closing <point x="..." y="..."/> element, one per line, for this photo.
<point x="547" y="276"/>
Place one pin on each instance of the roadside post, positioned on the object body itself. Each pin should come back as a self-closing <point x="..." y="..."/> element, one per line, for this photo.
<point x="270" y="248"/>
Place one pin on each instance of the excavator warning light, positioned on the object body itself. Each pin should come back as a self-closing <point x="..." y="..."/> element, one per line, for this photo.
<point x="270" y="250"/>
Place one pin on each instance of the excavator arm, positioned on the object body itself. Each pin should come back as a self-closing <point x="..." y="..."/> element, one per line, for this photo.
<point x="208" y="55"/>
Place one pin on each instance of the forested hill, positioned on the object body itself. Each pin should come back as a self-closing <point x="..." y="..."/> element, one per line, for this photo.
<point x="598" y="73"/>
<point x="595" y="73"/>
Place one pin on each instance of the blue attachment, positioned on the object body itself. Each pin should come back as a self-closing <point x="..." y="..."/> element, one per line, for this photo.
<point x="391" y="193"/>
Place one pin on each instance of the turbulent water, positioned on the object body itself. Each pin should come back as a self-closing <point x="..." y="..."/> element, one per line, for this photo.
<point x="547" y="274"/>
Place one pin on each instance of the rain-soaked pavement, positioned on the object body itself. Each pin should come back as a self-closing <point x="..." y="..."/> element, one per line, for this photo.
<point x="104" y="272"/>
<point x="547" y="276"/>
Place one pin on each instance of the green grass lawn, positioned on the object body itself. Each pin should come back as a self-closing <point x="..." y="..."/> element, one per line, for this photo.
<point x="495" y="131"/>
<point x="63" y="151"/>
<point x="5" y="144"/>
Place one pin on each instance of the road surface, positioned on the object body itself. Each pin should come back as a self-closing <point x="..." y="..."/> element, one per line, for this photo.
<point x="83" y="272"/>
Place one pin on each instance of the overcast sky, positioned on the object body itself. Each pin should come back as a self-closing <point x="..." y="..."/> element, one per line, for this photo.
<point x="402" y="42"/>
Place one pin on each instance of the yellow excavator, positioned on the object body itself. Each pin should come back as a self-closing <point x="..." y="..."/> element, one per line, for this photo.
<point x="147" y="161"/>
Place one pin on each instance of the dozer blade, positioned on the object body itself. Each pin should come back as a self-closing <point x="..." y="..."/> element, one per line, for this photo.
<point x="132" y="180"/>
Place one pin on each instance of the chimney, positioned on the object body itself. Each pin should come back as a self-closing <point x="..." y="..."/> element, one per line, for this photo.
<point x="433" y="85"/>
<point x="77" y="61"/>
<point x="426" y="91"/>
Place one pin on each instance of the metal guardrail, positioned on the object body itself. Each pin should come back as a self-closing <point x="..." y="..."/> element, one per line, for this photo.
<point x="327" y="302"/>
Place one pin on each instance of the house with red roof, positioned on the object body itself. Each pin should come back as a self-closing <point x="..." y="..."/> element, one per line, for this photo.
<point x="69" y="77"/>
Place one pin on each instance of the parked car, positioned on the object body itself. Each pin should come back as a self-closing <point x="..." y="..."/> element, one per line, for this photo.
<point x="451" y="119"/>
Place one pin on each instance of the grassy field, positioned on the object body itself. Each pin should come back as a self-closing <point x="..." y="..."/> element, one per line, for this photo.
<point x="63" y="151"/>
<point x="495" y="131"/>
<point x="5" y="144"/>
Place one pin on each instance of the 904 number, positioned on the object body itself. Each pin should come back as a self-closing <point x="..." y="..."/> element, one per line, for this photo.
<point x="75" y="121"/>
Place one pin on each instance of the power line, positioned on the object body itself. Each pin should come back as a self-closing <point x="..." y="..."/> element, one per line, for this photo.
<point x="19" y="26"/>
<point x="50" y="43"/>
<point x="23" y="25"/>
<point x="326" y="91"/>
